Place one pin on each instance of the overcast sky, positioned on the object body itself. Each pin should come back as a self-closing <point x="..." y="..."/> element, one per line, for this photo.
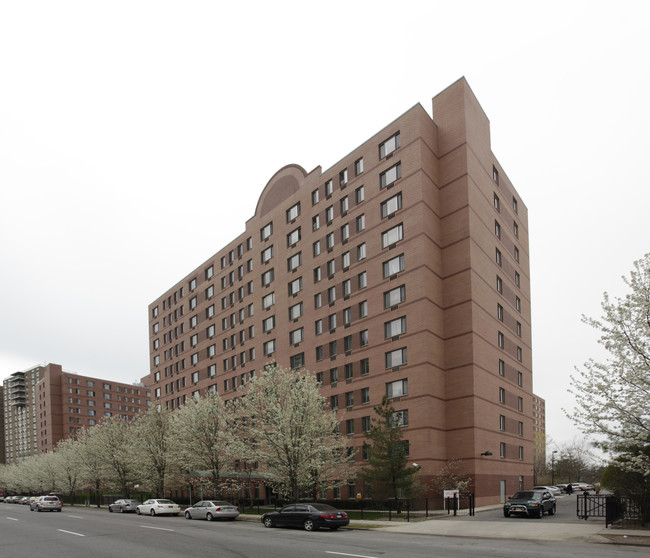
<point x="136" y="137"/>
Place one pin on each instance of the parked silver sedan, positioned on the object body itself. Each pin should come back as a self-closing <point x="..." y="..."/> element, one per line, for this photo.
<point x="124" y="505"/>
<point x="158" y="506"/>
<point x="212" y="509"/>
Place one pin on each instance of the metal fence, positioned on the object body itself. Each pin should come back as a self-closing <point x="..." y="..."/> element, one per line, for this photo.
<point x="626" y="512"/>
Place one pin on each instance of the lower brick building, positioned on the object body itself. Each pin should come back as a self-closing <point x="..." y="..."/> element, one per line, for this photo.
<point x="45" y="404"/>
<point x="400" y="271"/>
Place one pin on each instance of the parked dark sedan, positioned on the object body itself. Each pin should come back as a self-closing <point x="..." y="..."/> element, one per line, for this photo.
<point x="310" y="517"/>
<point x="124" y="505"/>
<point x="530" y="502"/>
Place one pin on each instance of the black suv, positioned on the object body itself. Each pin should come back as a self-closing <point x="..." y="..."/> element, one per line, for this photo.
<point x="532" y="503"/>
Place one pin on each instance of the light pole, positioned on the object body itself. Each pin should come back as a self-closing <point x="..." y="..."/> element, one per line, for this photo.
<point x="553" y="466"/>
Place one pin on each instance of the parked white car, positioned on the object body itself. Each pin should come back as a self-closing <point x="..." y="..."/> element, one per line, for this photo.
<point x="157" y="506"/>
<point x="552" y="489"/>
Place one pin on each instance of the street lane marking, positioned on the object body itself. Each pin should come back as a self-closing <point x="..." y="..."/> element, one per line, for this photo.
<point x="12" y="519"/>
<point x="156" y="528"/>
<point x="71" y="533"/>
<point x="76" y="516"/>
<point x="344" y="554"/>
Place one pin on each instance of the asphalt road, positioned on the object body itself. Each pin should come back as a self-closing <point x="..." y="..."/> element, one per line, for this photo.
<point x="92" y="533"/>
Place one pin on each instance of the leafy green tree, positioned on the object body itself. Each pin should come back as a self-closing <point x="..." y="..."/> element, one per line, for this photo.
<point x="387" y="472"/>
<point x="296" y="435"/>
<point x="612" y="396"/>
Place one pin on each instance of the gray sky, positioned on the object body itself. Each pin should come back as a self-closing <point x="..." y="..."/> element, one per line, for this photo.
<point x="128" y="129"/>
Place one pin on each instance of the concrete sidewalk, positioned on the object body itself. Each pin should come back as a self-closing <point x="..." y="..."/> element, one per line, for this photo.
<point x="593" y="532"/>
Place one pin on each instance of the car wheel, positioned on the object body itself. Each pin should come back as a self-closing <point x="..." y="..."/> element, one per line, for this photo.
<point x="122" y="510"/>
<point x="152" y="512"/>
<point x="552" y="510"/>
<point x="506" y="513"/>
<point x="309" y="525"/>
<point x="187" y="515"/>
<point x="268" y="522"/>
<point x="209" y="516"/>
<point x="137" y="510"/>
<point x="110" y="509"/>
<point x="540" y="513"/>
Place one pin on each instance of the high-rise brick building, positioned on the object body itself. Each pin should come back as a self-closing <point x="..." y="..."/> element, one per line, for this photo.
<point x="401" y="271"/>
<point x="44" y="404"/>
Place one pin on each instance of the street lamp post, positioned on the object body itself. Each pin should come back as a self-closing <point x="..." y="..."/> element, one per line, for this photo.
<point x="553" y="466"/>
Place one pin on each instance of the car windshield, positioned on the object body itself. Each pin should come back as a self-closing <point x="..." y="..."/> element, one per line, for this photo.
<point x="217" y="503"/>
<point x="165" y="502"/>
<point x="527" y="495"/>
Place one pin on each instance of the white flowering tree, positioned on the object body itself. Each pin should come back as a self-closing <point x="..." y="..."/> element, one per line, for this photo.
<point x="296" y="434"/>
<point x="69" y="466"/>
<point x="201" y="437"/>
<point x="153" y="442"/>
<point x="612" y="397"/>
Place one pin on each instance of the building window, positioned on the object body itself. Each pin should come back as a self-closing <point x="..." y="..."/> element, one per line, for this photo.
<point x="363" y="309"/>
<point x="349" y="399"/>
<point x="344" y="205"/>
<point x="329" y="188"/>
<point x="345" y="233"/>
<point x="347" y="316"/>
<point x="521" y="453"/>
<point x="295" y="311"/>
<point x="497" y="203"/>
<point x="500" y="312"/>
<point x="268" y="324"/>
<point x="519" y="354"/>
<point x="395" y="327"/>
<point x="315" y="222"/>
<point x="209" y="272"/>
<point x="517" y="279"/>
<point x="347" y="287"/>
<point x="395" y="296"/>
<point x="297" y="361"/>
<point x="499" y="285"/>
<point x="520" y="379"/>
<point x="267" y="277"/>
<point x="495" y="174"/>
<point x="333" y="349"/>
<point x="317" y="275"/>
<point x="515" y="229"/>
<point x="331" y="294"/>
<point x="267" y="254"/>
<point x="502" y="368"/>
<point x="349" y="427"/>
<point x="392" y="236"/>
<point x="331" y="319"/>
<point x="519" y="329"/>
<point x="294" y="261"/>
<point x="502" y="422"/>
<point x="331" y="268"/>
<point x="502" y="450"/>
<point x="520" y="428"/>
<point x="500" y="340"/>
<point x="316" y="248"/>
<point x="520" y="404"/>
<point x="393" y="266"/>
<point x="315" y="197"/>
<point x="209" y="311"/>
<point x="516" y="254"/>
<point x="359" y="194"/>
<point x="502" y="395"/>
<point x="362" y="279"/>
<point x="397" y="388"/>
<point x="363" y="338"/>
<point x="498" y="257"/>
<point x="318" y="300"/>
<point x="334" y="402"/>
<point x="396" y="358"/>
<point x="358" y="166"/>
<point x="365" y="424"/>
<point x="518" y="304"/>
<point x="293" y="212"/>
<point x="388" y="146"/>
<point x="361" y="222"/>
<point x="515" y="205"/>
<point x="391" y="205"/>
<point x="269" y="347"/>
<point x="293" y="237"/>
<point x="268" y="301"/>
<point x="399" y="419"/>
<point x="265" y="232"/>
<point x="389" y="176"/>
